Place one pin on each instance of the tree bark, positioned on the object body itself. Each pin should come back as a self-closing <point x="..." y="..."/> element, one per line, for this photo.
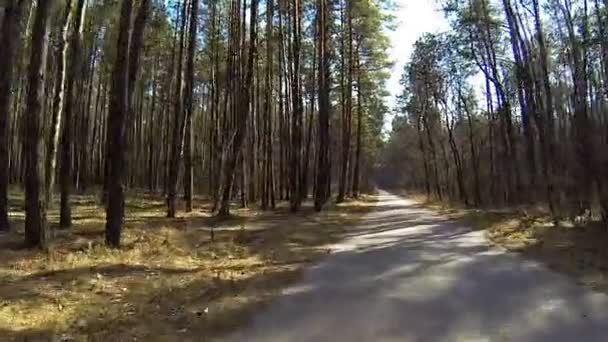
<point x="188" y="102"/>
<point x="58" y="102"/>
<point x="10" y="29"/>
<point x="296" y="124"/>
<point x="239" y="133"/>
<point x="116" y="142"/>
<point x="323" y="164"/>
<point x="72" y="63"/>
<point x="356" y="172"/>
<point x="347" y="119"/>
<point x="36" y="232"/>
<point x="178" y="124"/>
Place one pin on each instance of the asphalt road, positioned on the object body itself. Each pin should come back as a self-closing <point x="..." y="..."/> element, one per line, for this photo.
<point x="407" y="274"/>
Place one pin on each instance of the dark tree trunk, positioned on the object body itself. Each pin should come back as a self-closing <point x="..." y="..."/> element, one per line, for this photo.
<point x="188" y="102"/>
<point x="296" y="123"/>
<point x="323" y="166"/>
<point x="117" y="126"/>
<point x="347" y="117"/>
<point x="8" y="41"/>
<point x="178" y="124"/>
<point x="268" y="105"/>
<point x="473" y="149"/>
<point x="36" y="232"/>
<point x="242" y="117"/>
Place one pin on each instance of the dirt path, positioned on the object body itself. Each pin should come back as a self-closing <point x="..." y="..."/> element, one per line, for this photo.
<point x="407" y="274"/>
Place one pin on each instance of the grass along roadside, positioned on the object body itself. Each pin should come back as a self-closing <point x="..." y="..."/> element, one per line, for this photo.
<point x="190" y="278"/>
<point x="577" y="251"/>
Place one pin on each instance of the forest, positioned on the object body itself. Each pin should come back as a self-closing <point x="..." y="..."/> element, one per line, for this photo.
<point x="170" y="168"/>
<point x="508" y="108"/>
<point x="178" y="161"/>
<point x="241" y="102"/>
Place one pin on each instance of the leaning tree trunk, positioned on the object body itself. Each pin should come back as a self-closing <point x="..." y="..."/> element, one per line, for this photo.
<point x="36" y="233"/>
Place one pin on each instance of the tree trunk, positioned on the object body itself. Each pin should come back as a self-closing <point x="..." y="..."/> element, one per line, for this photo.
<point x="243" y="114"/>
<point x="72" y="63"/>
<point x="116" y="142"/>
<point x="188" y="102"/>
<point x="10" y="31"/>
<point x="268" y="105"/>
<point x="296" y="124"/>
<point x="347" y="119"/>
<point x="59" y="101"/>
<point x="357" y="169"/>
<point x="473" y="149"/>
<point x="323" y="166"/>
<point x="36" y="232"/>
<point x="178" y="124"/>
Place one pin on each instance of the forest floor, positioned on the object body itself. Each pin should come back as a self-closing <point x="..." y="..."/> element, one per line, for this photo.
<point x="577" y="251"/>
<point x="193" y="277"/>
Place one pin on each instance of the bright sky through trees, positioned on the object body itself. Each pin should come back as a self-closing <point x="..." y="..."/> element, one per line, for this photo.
<point x="414" y="18"/>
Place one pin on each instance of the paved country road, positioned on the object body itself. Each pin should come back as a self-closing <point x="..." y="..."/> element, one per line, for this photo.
<point x="407" y="274"/>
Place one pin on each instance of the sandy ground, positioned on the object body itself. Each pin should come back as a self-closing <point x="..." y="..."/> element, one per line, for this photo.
<point x="408" y="274"/>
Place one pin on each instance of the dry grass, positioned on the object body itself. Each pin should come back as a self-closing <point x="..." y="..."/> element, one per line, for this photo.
<point x="579" y="252"/>
<point x="188" y="279"/>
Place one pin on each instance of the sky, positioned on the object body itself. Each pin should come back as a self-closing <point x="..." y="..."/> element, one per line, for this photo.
<point x="414" y="18"/>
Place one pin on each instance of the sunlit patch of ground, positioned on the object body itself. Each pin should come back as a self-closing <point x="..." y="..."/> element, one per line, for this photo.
<point x="578" y="251"/>
<point x="187" y="279"/>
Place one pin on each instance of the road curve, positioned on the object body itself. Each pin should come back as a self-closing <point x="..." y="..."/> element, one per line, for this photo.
<point x="408" y="274"/>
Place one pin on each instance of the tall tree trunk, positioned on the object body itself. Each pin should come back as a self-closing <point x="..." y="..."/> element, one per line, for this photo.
<point x="59" y="100"/>
<point x="524" y="91"/>
<point x="356" y="172"/>
<point x="323" y="166"/>
<point x="116" y="142"/>
<point x="268" y="105"/>
<point x="456" y="156"/>
<point x="243" y="114"/>
<point x="9" y="39"/>
<point x="347" y="119"/>
<point x="296" y="124"/>
<point x="72" y="64"/>
<point x="36" y="232"/>
<point x="547" y="128"/>
<point x="152" y="133"/>
<point x="188" y="102"/>
<point x="422" y="147"/>
<point x="587" y="170"/>
<point x="178" y="124"/>
<point x="473" y="149"/>
<point x="306" y="161"/>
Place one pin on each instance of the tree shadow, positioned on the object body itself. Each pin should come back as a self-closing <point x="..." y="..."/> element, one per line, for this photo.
<point x="436" y="281"/>
<point x="120" y="297"/>
<point x="191" y="311"/>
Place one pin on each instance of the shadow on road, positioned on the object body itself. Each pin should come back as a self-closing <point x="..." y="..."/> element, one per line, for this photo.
<point x="406" y="274"/>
